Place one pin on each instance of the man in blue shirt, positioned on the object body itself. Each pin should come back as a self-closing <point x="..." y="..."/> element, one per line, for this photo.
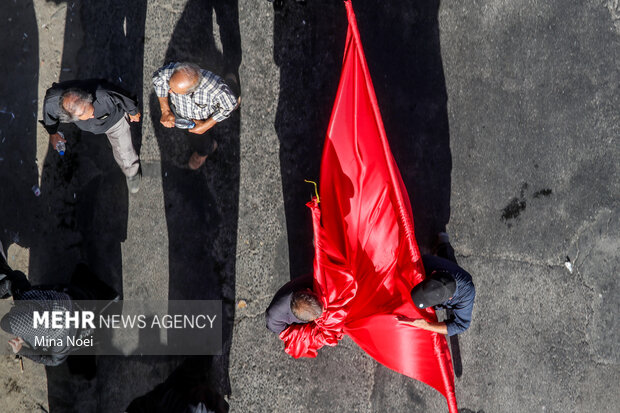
<point x="446" y="286"/>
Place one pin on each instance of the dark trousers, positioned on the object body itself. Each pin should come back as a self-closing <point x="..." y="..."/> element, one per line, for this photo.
<point x="4" y="267"/>
<point x="201" y="144"/>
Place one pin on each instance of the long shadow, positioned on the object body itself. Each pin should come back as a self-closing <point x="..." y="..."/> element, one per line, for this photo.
<point x="402" y="46"/>
<point x="202" y="206"/>
<point x="401" y="41"/>
<point x="308" y="46"/>
<point x="19" y="207"/>
<point x="84" y="193"/>
<point x="187" y="385"/>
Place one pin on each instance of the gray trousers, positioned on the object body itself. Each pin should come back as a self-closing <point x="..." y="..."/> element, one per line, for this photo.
<point x="125" y="155"/>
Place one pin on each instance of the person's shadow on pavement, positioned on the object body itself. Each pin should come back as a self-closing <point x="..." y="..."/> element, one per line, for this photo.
<point x="202" y="206"/>
<point x="402" y="46"/>
<point x="20" y="207"/>
<point x="308" y="45"/>
<point x="85" y="193"/>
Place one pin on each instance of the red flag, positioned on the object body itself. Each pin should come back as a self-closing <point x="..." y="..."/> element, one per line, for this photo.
<point x="367" y="260"/>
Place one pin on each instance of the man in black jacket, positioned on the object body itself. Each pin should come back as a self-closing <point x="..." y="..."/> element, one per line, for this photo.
<point x="98" y="107"/>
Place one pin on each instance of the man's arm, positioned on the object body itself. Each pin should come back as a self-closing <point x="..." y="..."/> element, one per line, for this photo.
<point x="225" y="101"/>
<point x="51" y="108"/>
<point x="462" y="305"/>
<point x="203" y="125"/>
<point x="47" y="360"/>
<point x="161" y="84"/>
<point x="462" y="317"/>
<point x="50" y="359"/>
<point x="440" y="328"/>
<point x="457" y="325"/>
<point x="51" y="119"/>
<point x="167" y="117"/>
<point x="126" y="103"/>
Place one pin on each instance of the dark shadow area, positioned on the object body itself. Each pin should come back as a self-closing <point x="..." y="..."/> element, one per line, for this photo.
<point x="202" y="206"/>
<point x="308" y="47"/>
<point x="19" y="206"/>
<point x="185" y="390"/>
<point x="87" y="196"/>
<point x="84" y="194"/>
<point x="402" y="46"/>
<point x="401" y="43"/>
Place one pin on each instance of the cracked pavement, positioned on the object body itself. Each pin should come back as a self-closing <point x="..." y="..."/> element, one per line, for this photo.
<point x="503" y="119"/>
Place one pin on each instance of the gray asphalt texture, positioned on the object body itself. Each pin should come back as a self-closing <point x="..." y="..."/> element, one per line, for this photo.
<point x="503" y="117"/>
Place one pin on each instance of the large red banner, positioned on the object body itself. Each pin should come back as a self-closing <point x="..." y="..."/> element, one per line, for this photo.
<point x="367" y="260"/>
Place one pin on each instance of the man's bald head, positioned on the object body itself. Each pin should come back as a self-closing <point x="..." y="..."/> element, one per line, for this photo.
<point x="185" y="78"/>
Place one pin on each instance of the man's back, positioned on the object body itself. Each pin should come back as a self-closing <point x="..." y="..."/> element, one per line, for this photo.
<point x="279" y="315"/>
<point x="109" y="101"/>
<point x="462" y="301"/>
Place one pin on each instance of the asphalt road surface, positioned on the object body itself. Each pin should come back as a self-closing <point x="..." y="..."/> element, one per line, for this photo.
<point x="503" y="117"/>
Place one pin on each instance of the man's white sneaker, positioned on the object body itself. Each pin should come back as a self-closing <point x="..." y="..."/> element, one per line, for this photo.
<point x="133" y="183"/>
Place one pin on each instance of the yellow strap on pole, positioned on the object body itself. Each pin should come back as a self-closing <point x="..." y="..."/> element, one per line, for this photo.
<point x="316" y="190"/>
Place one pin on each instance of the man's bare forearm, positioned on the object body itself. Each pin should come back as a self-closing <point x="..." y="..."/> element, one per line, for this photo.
<point x="440" y="328"/>
<point x="203" y="125"/>
<point x="164" y="105"/>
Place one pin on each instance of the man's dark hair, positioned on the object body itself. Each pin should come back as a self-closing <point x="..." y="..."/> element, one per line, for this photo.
<point x="306" y="306"/>
<point x="72" y="102"/>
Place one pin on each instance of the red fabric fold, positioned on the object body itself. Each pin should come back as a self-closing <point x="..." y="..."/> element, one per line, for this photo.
<point x="335" y="286"/>
<point x="366" y="257"/>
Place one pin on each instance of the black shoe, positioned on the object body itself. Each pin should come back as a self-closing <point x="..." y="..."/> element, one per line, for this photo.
<point x="443" y="248"/>
<point x="5" y="286"/>
<point x="443" y="238"/>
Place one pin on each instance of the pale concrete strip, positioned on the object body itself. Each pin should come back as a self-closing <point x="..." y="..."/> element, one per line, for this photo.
<point x="264" y="378"/>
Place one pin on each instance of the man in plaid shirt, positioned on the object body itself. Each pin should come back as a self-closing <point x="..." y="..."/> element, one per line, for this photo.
<point x="85" y="285"/>
<point x="188" y="92"/>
